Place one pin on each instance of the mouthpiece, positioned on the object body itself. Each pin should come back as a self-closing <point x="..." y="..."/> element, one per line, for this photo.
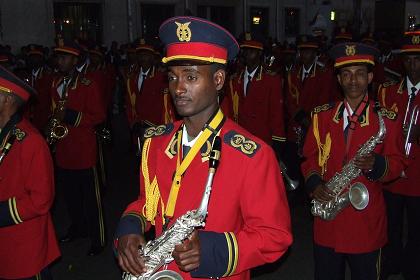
<point x="215" y="153"/>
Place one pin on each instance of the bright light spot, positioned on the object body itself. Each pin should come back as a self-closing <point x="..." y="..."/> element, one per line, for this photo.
<point x="332" y="15"/>
<point x="256" y="20"/>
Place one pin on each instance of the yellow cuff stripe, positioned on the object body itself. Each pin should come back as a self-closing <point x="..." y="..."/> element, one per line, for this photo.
<point x="232" y="245"/>
<point x="13" y="211"/>
<point x="278" y="138"/>
<point x="149" y="123"/>
<point x="78" y="119"/>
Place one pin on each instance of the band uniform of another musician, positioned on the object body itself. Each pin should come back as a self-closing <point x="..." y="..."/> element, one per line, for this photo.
<point x="248" y="221"/>
<point x="27" y="236"/>
<point x="404" y="193"/>
<point x="334" y="137"/>
<point x="76" y="153"/>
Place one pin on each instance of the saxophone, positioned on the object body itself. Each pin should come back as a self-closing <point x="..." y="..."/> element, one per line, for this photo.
<point x="158" y="252"/>
<point x="55" y="129"/>
<point x="357" y="194"/>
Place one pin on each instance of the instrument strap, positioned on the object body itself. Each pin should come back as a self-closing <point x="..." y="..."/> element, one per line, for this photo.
<point x="353" y="119"/>
<point x="213" y="126"/>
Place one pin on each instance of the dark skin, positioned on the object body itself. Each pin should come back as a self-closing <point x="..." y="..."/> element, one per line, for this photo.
<point x="145" y="59"/>
<point x="67" y="66"/>
<point x="194" y="90"/>
<point x="307" y="57"/>
<point x="411" y="63"/>
<point x="354" y="81"/>
<point x="252" y="58"/>
<point x="8" y="106"/>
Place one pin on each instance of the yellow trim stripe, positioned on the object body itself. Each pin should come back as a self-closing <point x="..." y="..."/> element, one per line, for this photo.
<point x="78" y="119"/>
<point x="99" y="204"/>
<point x="378" y="264"/>
<point x="5" y="89"/>
<point x="16" y="211"/>
<point x="101" y="161"/>
<point x="410" y="50"/>
<point x="229" y="245"/>
<point x="193" y="57"/>
<point x="351" y="61"/>
<point x="149" y="123"/>
<point x="278" y="138"/>
<point x="235" y="260"/>
<point x="10" y="201"/>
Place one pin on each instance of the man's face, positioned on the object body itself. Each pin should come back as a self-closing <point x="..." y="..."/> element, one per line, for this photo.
<point x="252" y="56"/>
<point x="66" y="62"/>
<point x="307" y="56"/>
<point x="194" y="89"/>
<point x="354" y="80"/>
<point x="145" y="59"/>
<point x="411" y="64"/>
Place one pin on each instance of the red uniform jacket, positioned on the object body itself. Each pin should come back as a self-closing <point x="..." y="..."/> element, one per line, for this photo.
<point x="150" y="101"/>
<point x="42" y="103"/>
<point x="353" y="231"/>
<point x="394" y="96"/>
<point x="28" y="243"/>
<point x="261" y="111"/>
<point x="84" y="110"/>
<point x="248" y="220"/>
<point x="320" y="87"/>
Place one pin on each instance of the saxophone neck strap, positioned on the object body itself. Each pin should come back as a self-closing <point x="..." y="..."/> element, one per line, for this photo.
<point x="212" y="127"/>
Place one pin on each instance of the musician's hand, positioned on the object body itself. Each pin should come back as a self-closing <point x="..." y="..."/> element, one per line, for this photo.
<point x="128" y="255"/>
<point x="322" y="193"/>
<point x="366" y="162"/>
<point x="187" y="254"/>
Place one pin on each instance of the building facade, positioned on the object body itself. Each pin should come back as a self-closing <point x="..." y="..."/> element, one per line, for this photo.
<point x="38" y="21"/>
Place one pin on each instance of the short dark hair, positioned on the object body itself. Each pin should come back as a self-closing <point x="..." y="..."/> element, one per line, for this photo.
<point x="216" y="67"/>
<point x="368" y="66"/>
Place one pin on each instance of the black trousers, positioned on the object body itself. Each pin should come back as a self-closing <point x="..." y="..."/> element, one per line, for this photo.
<point x="84" y="203"/>
<point x="330" y="265"/>
<point x="400" y="257"/>
<point x="45" y="274"/>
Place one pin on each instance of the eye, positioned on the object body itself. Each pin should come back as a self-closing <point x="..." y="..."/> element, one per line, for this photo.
<point x="171" y="78"/>
<point x="191" y="78"/>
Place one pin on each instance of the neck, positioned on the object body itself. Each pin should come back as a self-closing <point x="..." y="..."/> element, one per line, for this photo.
<point x="354" y="101"/>
<point x="251" y="68"/>
<point x="414" y="80"/>
<point x="195" y="124"/>
<point x="4" y="118"/>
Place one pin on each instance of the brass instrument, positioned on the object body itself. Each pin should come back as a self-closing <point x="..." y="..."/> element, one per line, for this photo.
<point x="291" y="184"/>
<point x="413" y="121"/>
<point x="55" y="129"/>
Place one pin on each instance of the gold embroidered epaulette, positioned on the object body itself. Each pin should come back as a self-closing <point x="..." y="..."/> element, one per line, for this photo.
<point x="158" y="130"/>
<point x="389" y="83"/>
<point x="388" y="113"/>
<point x="321" y="108"/>
<point x="20" y="134"/>
<point x="85" y="81"/>
<point x="241" y="143"/>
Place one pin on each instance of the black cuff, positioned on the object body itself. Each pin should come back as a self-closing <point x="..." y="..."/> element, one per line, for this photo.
<point x="278" y="147"/>
<point x="130" y="223"/>
<point x="313" y="180"/>
<point x="380" y="167"/>
<point x="72" y="117"/>
<point x="8" y="213"/>
<point x="216" y="249"/>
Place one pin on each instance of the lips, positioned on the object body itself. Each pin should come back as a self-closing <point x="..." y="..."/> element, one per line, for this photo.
<point x="182" y="101"/>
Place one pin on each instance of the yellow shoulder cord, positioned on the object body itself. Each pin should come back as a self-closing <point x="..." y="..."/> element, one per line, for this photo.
<point x="151" y="189"/>
<point x="132" y="98"/>
<point x="235" y="102"/>
<point x="323" y="149"/>
<point x="181" y="167"/>
<point x="294" y="92"/>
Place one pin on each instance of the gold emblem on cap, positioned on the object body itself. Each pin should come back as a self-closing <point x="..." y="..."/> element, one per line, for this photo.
<point x="248" y="36"/>
<point x="142" y="41"/>
<point x="61" y="42"/>
<point x="350" y="50"/>
<point x="183" y="31"/>
<point x="415" y="40"/>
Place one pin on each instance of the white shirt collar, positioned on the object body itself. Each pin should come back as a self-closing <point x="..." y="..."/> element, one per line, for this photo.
<point x="250" y="74"/>
<point x="410" y="85"/>
<point x="185" y="137"/>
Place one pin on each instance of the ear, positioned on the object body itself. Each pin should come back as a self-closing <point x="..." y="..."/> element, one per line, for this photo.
<point x="370" y="77"/>
<point x="219" y="79"/>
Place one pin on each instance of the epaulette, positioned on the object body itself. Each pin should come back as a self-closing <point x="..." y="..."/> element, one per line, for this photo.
<point x="85" y="81"/>
<point x="20" y="134"/>
<point x="389" y="83"/>
<point x="321" y="108"/>
<point x="388" y="113"/>
<point x="158" y="130"/>
<point x="246" y="146"/>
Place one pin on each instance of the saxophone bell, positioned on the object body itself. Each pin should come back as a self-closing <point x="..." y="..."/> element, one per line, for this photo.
<point x="358" y="196"/>
<point x="290" y="184"/>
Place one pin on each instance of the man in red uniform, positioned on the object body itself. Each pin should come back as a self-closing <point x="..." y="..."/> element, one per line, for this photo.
<point x="246" y="225"/>
<point x="76" y="153"/>
<point x="333" y="140"/>
<point x="257" y="97"/>
<point x="404" y="193"/>
<point x="27" y="237"/>
<point x="311" y="83"/>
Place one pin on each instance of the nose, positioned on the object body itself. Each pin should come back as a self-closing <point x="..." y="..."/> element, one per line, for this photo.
<point x="179" y="88"/>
